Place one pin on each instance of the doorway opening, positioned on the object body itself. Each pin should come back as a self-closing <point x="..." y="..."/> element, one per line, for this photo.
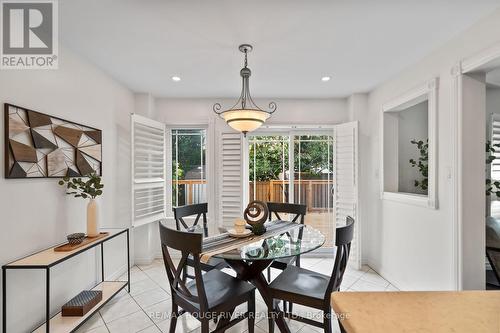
<point x="493" y="179"/>
<point x="295" y="168"/>
<point x="477" y="177"/>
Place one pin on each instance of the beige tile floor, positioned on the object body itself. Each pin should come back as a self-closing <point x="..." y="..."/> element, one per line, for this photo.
<point x="147" y="307"/>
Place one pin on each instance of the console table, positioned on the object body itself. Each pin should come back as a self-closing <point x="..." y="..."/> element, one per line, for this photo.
<point x="48" y="258"/>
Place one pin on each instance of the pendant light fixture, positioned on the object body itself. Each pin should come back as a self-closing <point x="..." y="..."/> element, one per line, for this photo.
<point x="245" y="116"/>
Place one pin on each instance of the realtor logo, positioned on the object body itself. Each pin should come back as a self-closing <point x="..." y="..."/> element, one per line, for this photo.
<point x="29" y="34"/>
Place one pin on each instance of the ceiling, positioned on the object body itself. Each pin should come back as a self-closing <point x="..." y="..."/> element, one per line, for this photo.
<point x="296" y="42"/>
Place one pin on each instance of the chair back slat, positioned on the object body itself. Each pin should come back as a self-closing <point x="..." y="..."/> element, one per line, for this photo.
<point x="287" y="208"/>
<point x="200" y="210"/>
<point x="493" y="255"/>
<point x="189" y="244"/>
<point x="343" y="239"/>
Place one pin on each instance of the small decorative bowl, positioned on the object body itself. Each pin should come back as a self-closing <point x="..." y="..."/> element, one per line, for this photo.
<point x="75" y="239"/>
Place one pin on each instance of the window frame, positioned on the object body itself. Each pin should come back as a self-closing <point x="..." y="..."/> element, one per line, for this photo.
<point x="291" y="131"/>
<point x="427" y="91"/>
<point x="169" y="164"/>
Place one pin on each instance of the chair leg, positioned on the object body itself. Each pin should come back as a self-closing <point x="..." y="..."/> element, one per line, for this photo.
<point x="205" y="326"/>
<point x="225" y="318"/>
<point x="251" y="313"/>
<point x="269" y="274"/>
<point x="270" y="320"/>
<point x="290" y="307"/>
<point x="173" y="319"/>
<point x="342" y="329"/>
<point x="184" y="273"/>
<point x="327" y="321"/>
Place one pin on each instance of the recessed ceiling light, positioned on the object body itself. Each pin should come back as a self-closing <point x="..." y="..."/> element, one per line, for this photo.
<point x="325" y="78"/>
<point x="176" y="78"/>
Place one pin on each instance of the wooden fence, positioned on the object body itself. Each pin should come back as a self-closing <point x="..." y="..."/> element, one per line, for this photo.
<point x="316" y="194"/>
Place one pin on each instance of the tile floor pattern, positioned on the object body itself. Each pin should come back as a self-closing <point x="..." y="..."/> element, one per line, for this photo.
<point x="147" y="308"/>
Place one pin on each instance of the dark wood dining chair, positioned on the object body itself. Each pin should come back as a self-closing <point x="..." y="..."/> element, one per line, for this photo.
<point x="312" y="289"/>
<point x="298" y="213"/>
<point x="493" y="275"/>
<point x="200" y="211"/>
<point x="208" y="296"/>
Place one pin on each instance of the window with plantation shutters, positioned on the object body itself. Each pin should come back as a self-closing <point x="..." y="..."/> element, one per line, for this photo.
<point x="148" y="170"/>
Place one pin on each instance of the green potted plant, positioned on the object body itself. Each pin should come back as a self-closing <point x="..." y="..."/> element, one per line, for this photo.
<point x="422" y="164"/>
<point x="89" y="189"/>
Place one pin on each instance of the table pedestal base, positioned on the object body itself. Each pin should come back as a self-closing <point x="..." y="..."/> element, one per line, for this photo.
<point x="252" y="272"/>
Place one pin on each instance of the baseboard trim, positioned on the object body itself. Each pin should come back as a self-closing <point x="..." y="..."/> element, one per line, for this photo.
<point x="119" y="272"/>
<point x="380" y="271"/>
<point x="144" y="261"/>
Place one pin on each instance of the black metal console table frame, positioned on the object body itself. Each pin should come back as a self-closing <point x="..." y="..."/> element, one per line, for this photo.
<point x="47" y="278"/>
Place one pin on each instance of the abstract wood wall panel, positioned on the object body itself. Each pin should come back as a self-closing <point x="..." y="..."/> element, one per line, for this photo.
<point x="38" y="145"/>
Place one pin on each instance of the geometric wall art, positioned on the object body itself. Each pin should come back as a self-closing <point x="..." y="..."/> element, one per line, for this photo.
<point x="41" y="146"/>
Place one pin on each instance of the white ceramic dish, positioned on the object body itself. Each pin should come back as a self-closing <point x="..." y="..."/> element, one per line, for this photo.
<point x="232" y="232"/>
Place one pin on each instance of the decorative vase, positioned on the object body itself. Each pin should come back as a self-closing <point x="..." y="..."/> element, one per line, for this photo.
<point x="92" y="218"/>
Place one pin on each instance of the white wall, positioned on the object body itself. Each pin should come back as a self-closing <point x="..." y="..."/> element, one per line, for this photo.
<point x="35" y="212"/>
<point x="492" y="102"/>
<point x="413" y="246"/>
<point x="290" y="111"/>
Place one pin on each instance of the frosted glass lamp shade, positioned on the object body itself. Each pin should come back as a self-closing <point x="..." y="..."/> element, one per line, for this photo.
<point x="245" y="120"/>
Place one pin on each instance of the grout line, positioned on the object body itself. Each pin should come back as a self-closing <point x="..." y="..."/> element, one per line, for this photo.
<point x="156" y="303"/>
<point x="106" y="326"/>
<point x="144" y="311"/>
<point x="149" y="277"/>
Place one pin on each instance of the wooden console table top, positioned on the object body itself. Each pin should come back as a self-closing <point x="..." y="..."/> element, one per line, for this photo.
<point x="49" y="257"/>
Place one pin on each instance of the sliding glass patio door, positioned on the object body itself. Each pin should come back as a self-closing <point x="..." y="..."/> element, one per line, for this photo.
<point x="295" y="167"/>
<point x="313" y="181"/>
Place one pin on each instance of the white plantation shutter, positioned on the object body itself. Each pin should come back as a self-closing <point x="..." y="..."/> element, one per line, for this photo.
<point x="231" y="175"/>
<point x="345" y="198"/>
<point x="495" y="139"/>
<point x="495" y="165"/>
<point x="148" y="170"/>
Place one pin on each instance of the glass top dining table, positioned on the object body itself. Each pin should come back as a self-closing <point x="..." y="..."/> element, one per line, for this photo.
<point x="252" y="257"/>
<point x="299" y="240"/>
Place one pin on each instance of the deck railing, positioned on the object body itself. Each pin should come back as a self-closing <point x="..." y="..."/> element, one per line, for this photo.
<point x="192" y="191"/>
<point x="316" y="194"/>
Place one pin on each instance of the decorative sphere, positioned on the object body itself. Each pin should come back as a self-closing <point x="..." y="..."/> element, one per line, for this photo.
<point x="256" y="215"/>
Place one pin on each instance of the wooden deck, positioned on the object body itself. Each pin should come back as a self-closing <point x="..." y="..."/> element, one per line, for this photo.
<point x="324" y="224"/>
